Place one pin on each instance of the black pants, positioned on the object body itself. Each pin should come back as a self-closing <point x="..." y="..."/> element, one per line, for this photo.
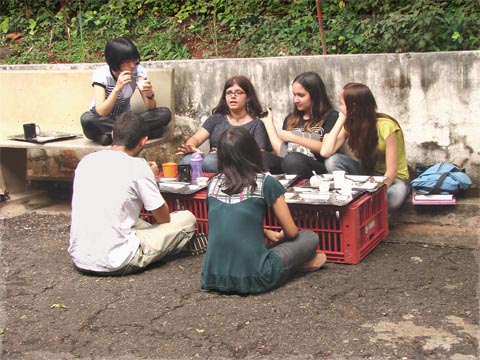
<point x="272" y="162"/>
<point x="301" y="164"/>
<point x="94" y="125"/>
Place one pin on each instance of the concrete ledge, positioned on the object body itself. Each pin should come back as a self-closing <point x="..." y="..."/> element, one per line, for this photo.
<point x="33" y="200"/>
<point x="78" y="143"/>
<point x="56" y="98"/>
<point x="441" y="225"/>
<point x="464" y="213"/>
<point x="22" y="161"/>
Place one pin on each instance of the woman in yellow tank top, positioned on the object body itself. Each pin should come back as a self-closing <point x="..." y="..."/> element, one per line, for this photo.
<point x="375" y="139"/>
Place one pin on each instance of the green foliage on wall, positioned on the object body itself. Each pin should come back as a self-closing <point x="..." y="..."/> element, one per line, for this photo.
<point x="68" y="31"/>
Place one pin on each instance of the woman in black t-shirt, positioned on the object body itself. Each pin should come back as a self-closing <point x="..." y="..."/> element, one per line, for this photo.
<point x="300" y="140"/>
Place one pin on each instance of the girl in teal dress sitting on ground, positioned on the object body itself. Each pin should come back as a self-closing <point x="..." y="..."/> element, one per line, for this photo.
<point x="238" y="260"/>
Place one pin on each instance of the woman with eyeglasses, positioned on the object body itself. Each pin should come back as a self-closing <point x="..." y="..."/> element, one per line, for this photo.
<point x="238" y="106"/>
<point x="300" y="140"/>
<point x="113" y="86"/>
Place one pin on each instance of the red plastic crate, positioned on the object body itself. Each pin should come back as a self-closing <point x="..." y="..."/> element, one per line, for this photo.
<point x="346" y="233"/>
<point x="193" y="202"/>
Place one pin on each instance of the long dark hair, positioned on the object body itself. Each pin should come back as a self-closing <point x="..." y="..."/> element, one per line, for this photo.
<point x="253" y="106"/>
<point x="321" y="104"/>
<point x="361" y="123"/>
<point x="239" y="159"/>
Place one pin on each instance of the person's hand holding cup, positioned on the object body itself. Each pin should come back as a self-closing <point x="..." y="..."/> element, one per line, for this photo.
<point x="140" y="83"/>
<point x="145" y="86"/>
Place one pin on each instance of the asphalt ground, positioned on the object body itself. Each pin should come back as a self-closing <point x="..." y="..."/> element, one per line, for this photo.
<point x="405" y="300"/>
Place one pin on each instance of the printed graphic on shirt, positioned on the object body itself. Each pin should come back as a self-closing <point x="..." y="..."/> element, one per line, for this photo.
<point x="316" y="134"/>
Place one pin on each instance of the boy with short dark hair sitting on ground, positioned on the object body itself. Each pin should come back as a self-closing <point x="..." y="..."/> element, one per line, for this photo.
<point x="110" y="188"/>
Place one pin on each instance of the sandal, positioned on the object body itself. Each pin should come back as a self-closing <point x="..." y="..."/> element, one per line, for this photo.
<point x="198" y="244"/>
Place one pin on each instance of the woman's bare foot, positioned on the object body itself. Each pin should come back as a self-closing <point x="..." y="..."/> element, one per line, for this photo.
<point x="315" y="263"/>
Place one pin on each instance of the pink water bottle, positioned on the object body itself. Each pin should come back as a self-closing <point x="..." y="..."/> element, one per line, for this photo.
<point x="196" y="162"/>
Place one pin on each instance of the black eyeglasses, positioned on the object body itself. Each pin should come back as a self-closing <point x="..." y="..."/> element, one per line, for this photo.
<point x="236" y="93"/>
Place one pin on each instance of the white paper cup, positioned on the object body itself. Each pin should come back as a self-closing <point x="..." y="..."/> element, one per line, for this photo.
<point x="140" y="83"/>
<point x="324" y="187"/>
<point x="346" y="188"/>
<point x="338" y="178"/>
<point x="202" y="180"/>
<point x="315" y="180"/>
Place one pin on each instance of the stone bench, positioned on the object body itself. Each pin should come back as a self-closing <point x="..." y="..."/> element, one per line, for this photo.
<point x="54" y="99"/>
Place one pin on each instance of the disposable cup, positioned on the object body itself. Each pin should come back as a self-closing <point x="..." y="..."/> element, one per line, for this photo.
<point x="140" y="83"/>
<point x="338" y="178"/>
<point x="346" y="188"/>
<point x="324" y="186"/>
<point x="202" y="180"/>
<point x="315" y="180"/>
<point x="169" y="169"/>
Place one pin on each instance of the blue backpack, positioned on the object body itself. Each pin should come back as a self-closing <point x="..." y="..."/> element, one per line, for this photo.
<point x="441" y="178"/>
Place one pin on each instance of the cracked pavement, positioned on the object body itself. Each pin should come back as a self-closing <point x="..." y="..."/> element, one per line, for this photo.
<point x="403" y="301"/>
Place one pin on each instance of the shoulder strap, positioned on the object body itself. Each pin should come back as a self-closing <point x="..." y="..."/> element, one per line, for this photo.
<point x="436" y="188"/>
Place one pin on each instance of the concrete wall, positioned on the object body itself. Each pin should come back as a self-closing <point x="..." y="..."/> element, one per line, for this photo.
<point x="54" y="97"/>
<point x="434" y="96"/>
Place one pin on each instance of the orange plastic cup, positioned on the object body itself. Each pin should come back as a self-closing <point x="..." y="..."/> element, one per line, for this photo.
<point x="169" y="169"/>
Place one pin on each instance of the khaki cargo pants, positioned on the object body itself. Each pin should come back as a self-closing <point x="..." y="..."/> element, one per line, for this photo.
<point x="159" y="240"/>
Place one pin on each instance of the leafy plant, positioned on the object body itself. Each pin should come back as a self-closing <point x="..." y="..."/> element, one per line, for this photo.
<point x="77" y="30"/>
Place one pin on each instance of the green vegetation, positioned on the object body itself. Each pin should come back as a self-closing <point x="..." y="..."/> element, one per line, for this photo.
<point x="71" y="31"/>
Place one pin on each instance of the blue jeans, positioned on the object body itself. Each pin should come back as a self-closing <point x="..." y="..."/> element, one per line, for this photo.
<point x="397" y="192"/>
<point x="209" y="162"/>
<point x="271" y="161"/>
<point x="295" y="252"/>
